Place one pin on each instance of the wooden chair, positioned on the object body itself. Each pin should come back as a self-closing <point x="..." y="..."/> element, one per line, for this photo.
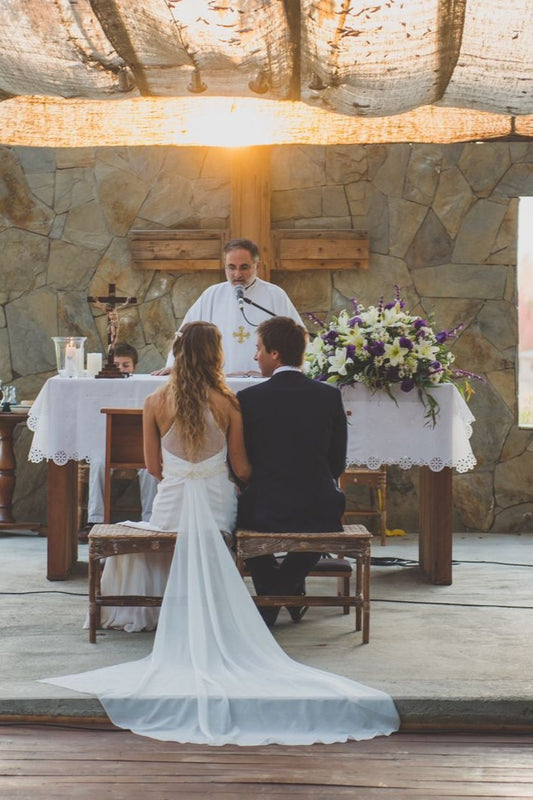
<point x="124" y="455"/>
<point x="353" y="541"/>
<point x="124" y="446"/>
<point x="83" y="495"/>
<point x="114" y="540"/>
<point x="376" y="482"/>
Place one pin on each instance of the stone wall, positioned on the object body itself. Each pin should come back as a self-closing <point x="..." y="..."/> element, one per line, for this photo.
<point x="441" y="222"/>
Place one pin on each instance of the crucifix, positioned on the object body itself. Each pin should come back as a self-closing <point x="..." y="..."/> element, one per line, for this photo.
<point x="111" y="305"/>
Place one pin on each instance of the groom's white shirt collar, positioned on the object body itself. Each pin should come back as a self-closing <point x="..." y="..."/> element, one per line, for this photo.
<point x="286" y="369"/>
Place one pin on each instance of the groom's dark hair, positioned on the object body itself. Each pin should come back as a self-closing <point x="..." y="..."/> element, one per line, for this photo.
<point x="287" y="337"/>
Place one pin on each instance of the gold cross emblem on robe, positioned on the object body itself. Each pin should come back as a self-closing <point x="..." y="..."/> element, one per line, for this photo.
<point x="240" y="334"/>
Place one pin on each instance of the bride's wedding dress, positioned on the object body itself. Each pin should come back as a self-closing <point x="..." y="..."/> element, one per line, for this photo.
<point x="216" y="675"/>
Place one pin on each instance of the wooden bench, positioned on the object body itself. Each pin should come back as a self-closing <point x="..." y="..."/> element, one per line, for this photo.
<point x="115" y="540"/>
<point x="353" y="541"/>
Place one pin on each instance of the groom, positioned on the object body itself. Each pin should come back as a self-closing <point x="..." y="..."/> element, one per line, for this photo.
<point x="295" y="435"/>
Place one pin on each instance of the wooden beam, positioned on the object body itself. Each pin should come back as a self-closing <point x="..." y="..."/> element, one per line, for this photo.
<point x="319" y="249"/>
<point x="250" y="201"/>
<point x="177" y="250"/>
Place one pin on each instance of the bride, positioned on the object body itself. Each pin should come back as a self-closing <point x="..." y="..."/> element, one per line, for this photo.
<point x="216" y="675"/>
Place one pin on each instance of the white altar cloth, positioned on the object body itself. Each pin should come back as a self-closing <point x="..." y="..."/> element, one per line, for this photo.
<point x="66" y="420"/>
<point x="383" y="432"/>
<point x="68" y="425"/>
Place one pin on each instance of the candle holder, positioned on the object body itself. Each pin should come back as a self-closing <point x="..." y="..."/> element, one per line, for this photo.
<point x="70" y="355"/>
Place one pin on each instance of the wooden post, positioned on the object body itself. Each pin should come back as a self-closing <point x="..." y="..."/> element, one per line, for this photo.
<point x="250" y="201"/>
<point x="436" y="521"/>
<point x="62" y="532"/>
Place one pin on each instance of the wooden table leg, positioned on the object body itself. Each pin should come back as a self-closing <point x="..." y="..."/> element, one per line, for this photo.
<point x="8" y="422"/>
<point x="7" y="465"/>
<point x="62" y="533"/>
<point x="436" y="521"/>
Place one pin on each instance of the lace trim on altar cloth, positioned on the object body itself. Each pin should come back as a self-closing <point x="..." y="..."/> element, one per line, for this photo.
<point x="435" y="464"/>
<point x="60" y="457"/>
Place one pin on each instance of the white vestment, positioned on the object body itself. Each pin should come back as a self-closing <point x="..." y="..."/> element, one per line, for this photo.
<point x="218" y="304"/>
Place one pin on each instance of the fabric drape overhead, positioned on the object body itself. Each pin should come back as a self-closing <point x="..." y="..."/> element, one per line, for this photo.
<point x="361" y="60"/>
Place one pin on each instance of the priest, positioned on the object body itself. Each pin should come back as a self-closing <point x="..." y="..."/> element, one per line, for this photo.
<point x="238" y="306"/>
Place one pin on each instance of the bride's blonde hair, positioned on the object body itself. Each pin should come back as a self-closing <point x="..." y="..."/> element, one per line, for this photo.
<point x="198" y="367"/>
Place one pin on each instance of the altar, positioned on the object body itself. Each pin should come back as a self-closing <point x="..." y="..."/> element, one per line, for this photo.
<point x="68" y="427"/>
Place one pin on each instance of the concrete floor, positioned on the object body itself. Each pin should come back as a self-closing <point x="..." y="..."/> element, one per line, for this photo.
<point x="452" y="657"/>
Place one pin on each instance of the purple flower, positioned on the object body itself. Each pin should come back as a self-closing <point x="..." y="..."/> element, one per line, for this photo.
<point x="436" y="366"/>
<point x="315" y="319"/>
<point x="375" y="348"/>
<point x="330" y="337"/>
<point x="463" y="373"/>
<point x="420" y="323"/>
<point x="390" y="305"/>
<point x="355" y="321"/>
<point x="393" y="374"/>
<point x="441" y="337"/>
<point x="355" y="304"/>
<point x="405" y="342"/>
<point x="407" y="385"/>
<point x="398" y="296"/>
<point x="350" y="351"/>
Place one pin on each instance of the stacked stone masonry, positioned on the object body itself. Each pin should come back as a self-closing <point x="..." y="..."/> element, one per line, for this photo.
<point x="441" y="221"/>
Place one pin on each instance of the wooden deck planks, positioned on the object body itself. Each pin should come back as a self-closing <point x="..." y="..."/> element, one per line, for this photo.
<point x="41" y="762"/>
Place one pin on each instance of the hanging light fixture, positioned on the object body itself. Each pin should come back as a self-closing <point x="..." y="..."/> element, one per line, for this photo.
<point x="259" y="84"/>
<point x="196" y="85"/>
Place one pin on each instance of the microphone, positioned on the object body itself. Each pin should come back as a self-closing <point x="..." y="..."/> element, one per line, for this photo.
<point x="239" y="294"/>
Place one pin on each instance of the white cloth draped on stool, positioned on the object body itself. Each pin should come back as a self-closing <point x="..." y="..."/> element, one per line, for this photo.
<point x="216" y="675"/>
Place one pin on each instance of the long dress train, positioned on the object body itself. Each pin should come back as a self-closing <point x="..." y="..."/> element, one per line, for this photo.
<point x="216" y="675"/>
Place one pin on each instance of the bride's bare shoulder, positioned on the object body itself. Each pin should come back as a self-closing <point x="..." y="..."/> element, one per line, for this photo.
<point x="159" y="402"/>
<point x="222" y="402"/>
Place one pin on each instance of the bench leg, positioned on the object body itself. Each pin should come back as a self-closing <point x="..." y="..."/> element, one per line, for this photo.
<point x="358" y="591"/>
<point x="93" y="570"/>
<point x="366" y="599"/>
<point x="95" y="573"/>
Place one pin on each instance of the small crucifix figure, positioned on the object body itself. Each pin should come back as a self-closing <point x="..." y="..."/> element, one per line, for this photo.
<point x="111" y="305"/>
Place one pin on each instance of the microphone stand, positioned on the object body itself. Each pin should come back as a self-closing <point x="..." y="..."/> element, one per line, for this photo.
<point x="266" y="310"/>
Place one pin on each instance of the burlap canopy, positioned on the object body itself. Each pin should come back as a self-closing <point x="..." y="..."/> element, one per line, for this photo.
<point x="330" y="70"/>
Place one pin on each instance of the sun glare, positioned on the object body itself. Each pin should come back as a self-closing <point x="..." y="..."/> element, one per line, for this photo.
<point x="220" y="122"/>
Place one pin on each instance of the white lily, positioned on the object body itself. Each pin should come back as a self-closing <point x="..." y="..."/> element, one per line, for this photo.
<point x="425" y="349"/>
<point x="339" y="361"/>
<point x="395" y="352"/>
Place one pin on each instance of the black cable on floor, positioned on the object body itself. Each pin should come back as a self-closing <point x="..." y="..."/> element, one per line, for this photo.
<point x="391" y="561"/>
<point x="438" y="603"/>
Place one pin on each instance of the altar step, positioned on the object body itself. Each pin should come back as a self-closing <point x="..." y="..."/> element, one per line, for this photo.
<point x="454" y="658"/>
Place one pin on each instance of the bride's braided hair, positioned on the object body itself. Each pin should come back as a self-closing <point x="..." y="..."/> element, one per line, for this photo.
<point x="198" y="367"/>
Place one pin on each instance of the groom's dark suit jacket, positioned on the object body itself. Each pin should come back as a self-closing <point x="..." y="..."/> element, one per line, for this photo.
<point x="295" y="435"/>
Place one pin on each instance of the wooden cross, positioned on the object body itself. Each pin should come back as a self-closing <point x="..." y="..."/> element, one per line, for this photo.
<point x="240" y="334"/>
<point x="111" y="305"/>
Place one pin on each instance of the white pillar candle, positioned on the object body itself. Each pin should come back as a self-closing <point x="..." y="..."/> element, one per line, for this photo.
<point x="94" y="364"/>
<point x="71" y="367"/>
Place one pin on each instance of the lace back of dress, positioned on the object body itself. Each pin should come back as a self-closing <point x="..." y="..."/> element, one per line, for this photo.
<point x="213" y="443"/>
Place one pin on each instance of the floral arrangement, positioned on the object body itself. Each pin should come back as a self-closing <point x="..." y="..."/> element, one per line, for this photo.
<point x="383" y="345"/>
